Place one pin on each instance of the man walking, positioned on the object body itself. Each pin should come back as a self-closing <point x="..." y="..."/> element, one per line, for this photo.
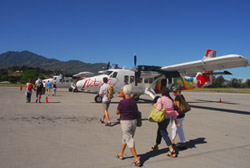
<point x="105" y="101"/>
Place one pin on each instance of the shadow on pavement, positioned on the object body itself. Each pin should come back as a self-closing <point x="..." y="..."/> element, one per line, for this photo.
<point x="190" y="144"/>
<point x="222" y="110"/>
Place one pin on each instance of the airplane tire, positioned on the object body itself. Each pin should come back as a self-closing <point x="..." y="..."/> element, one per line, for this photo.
<point x="70" y="89"/>
<point x="98" y="99"/>
<point x="156" y="98"/>
<point x="75" y="90"/>
<point x="136" y="97"/>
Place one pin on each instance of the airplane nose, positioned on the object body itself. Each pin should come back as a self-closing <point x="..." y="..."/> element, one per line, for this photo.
<point x="77" y="84"/>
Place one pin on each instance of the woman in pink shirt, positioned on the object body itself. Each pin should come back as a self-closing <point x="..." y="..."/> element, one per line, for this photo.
<point x="167" y="102"/>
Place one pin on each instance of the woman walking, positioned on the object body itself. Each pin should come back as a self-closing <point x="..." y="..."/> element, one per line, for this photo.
<point x="167" y="102"/>
<point x="127" y="109"/>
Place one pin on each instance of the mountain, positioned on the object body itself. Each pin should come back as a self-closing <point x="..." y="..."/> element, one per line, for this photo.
<point x="30" y="59"/>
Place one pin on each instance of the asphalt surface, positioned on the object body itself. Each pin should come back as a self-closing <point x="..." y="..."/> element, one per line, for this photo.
<point x="66" y="132"/>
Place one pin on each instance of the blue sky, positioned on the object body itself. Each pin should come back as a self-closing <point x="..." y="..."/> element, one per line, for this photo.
<point x="160" y="32"/>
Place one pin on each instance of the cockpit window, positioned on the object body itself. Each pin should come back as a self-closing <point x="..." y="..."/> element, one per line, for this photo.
<point x="54" y="78"/>
<point x="109" y="72"/>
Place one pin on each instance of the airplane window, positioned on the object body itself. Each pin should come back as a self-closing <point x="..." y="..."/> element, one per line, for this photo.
<point x="113" y="75"/>
<point x="132" y="79"/>
<point x="126" y="79"/>
<point x="146" y="80"/>
<point x="151" y="80"/>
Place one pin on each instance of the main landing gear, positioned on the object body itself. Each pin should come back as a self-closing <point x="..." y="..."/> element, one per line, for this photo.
<point x="98" y="99"/>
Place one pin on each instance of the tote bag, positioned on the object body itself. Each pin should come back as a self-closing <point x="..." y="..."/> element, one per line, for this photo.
<point x="184" y="106"/>
<point x="157" y="116"/>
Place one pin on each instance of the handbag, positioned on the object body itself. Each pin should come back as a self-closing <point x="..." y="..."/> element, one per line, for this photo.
<point x="157" y="116"/>
<point x="139" y="119"/>
<point x="184" y="106"/>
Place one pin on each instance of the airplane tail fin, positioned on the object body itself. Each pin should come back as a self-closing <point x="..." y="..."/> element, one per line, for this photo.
<point x="209" y="54"/>
<point x="207" y="76"/>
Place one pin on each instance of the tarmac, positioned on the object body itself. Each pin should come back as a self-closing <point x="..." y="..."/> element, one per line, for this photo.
<point x="66" y="132"/>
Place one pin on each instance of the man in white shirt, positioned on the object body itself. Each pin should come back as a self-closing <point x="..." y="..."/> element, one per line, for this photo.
<point x="105" y="101"/>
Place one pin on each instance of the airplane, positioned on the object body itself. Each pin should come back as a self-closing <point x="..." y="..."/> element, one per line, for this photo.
<point x="77" y="77"/>
<point x="62" y="81"/>
<point x="150" y="79"/>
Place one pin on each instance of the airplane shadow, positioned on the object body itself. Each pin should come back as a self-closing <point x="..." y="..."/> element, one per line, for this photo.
<point x="222" y="110"/>
<point x="140" y="101"/>
<point x="51" y="102"/>
<point x="211" y="101"/>
<point x="190" y="144"/>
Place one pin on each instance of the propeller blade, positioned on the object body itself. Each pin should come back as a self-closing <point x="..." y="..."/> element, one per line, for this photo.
<point x="108" y="65"/>
<point x="135" y="59"/>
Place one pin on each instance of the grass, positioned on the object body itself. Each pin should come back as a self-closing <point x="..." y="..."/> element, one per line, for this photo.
<point x="13" y="85"/>
<point x="223" y="90"/>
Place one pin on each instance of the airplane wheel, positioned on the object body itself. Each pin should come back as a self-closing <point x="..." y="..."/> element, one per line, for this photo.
<point x="70" y="89"/>
<point x="98" y="99"/>
<point x="156" y="98"/>
<point x="136" y="97"/>
<point x="75" y="90"/>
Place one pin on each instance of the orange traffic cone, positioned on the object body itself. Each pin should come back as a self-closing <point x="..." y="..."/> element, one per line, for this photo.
<point x="220" y="100"/>
<point x="46" y="100"/>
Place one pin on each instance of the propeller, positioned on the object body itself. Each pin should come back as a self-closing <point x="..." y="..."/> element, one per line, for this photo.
<point x="137" y="73"/>
<point x="139" y="68"/>
<point x="135" y="59"/>
<point x="108" y="65"/>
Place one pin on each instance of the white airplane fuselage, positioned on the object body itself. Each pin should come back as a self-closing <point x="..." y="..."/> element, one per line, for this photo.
<point x="116" y="78"/>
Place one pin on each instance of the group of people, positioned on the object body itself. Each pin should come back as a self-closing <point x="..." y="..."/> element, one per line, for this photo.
<point x="128" y="111"/>
<point x="40" y="87"/>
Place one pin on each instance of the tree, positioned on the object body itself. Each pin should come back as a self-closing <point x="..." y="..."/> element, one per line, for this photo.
<point x="29" y="74"/>
<point x="218" y="82"/>
<point x="236" y="83"/>
<point x="247" y="83"/>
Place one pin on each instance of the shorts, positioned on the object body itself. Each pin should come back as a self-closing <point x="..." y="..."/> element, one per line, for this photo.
<point x="106" y="105"/>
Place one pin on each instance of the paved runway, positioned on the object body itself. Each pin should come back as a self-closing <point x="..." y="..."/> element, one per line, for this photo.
<point x="66" y="132"/>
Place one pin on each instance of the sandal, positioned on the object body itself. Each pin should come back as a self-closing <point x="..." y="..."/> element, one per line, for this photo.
<point x="172" y="154"/>
<point x="137" y="163"/>
<point x="154" y="148"/>
<point x="119" y="156"/>
<point x="101" y="121"/>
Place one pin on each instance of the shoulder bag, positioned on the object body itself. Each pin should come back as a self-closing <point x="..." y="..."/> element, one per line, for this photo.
<point x="184" y="106"/>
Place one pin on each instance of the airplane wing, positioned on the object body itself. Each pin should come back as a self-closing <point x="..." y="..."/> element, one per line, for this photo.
<point x="209" y="64"/>
<point x="83" y="74"/>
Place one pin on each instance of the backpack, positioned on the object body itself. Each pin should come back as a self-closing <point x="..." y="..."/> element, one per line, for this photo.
<point x="110" y="92"/>
<point x="30" y="87"/>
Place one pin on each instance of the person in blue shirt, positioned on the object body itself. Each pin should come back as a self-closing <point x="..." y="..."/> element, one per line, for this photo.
<point x="48" y="86"/>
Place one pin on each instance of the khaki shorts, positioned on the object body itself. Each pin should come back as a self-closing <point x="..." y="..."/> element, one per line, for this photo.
<point x="106" y="105"/>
